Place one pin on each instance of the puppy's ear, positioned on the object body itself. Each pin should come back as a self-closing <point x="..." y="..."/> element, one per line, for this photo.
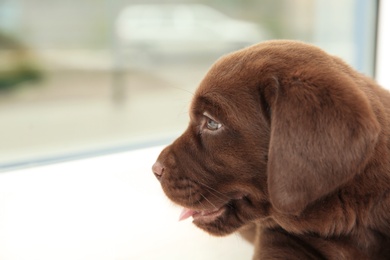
<point x="322" y="135"/>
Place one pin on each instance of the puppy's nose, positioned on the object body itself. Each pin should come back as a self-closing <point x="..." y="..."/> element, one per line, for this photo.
<point x="158" y="170"/>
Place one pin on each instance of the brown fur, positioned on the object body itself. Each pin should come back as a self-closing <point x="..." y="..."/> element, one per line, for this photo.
<point x="301" y="163"/>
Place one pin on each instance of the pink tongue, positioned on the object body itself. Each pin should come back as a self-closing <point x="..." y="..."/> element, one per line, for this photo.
<point x="186" y="213"/>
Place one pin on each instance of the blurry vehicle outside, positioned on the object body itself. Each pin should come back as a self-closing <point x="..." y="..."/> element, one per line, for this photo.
<point x="183" y="30"/>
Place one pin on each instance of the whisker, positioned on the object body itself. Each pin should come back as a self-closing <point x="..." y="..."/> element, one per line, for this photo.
<point x="208" y="201"/>
<point x="212" y="189"/>
<point x="216" y="195"/>
<point x="213" y="192"/>
<point x="200" y="202"/>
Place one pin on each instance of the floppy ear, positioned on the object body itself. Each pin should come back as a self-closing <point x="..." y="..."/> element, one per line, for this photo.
<point x="322" y="135"/>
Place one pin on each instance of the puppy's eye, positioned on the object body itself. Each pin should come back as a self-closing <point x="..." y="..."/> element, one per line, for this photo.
<point x="212" y="124"/>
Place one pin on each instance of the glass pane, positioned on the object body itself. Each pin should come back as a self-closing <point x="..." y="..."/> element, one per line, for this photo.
<point x="90" y="75"/>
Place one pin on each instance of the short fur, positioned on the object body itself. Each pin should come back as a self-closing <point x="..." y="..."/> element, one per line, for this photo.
<point x="301" y="164"/>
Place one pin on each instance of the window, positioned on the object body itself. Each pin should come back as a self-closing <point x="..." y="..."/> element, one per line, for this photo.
<point x="383" y="52"/>
<point x="85" y="77"/>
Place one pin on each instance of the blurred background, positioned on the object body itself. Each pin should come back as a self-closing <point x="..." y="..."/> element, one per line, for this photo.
<point x="88" y="76"/>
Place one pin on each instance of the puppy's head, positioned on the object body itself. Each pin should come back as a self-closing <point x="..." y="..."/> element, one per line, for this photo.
<point x="276" y="125"/>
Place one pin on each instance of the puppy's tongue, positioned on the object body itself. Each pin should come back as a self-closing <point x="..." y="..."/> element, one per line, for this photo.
<point x="186" y="213"/>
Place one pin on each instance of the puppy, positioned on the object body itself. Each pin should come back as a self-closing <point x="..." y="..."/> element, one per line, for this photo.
<point x="290" y="147"/>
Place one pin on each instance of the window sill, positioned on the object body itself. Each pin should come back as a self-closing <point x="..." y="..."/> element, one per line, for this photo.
<point x="106" y="207"/>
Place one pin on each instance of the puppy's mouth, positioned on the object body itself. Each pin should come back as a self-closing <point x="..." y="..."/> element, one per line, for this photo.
<point x="201" y="215"/>
<point x="209" y="215"/>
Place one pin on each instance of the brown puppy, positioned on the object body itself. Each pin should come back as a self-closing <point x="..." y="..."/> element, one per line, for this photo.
<point x="289" y="146"/>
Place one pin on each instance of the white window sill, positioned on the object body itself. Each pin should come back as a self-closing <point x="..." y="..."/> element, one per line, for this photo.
<point x="107" y="207"/>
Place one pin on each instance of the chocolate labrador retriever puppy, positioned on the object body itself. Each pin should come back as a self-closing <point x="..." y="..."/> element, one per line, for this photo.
<point x="289" y="146"/>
